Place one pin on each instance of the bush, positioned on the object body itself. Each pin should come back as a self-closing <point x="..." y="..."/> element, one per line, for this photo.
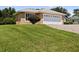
<point x="68" y="22"/>
<point x="9" y="20"/>
<point x="1" y="21"/>
<point x="33" y="19"/>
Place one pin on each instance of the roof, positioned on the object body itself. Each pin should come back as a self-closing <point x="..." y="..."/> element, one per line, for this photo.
<point x="41" y="11"/>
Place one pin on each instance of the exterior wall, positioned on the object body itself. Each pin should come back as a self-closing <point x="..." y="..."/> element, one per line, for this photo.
<point x="21" y="19"/>
<point x="50" y="16"/>
<point x="62" y="19"/>
<point x="41" y="20"/>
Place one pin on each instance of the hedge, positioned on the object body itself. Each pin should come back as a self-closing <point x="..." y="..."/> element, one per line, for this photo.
<point x="9" y="20"/>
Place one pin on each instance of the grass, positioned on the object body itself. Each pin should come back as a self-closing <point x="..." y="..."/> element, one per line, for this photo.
<point x="27" y="38"/>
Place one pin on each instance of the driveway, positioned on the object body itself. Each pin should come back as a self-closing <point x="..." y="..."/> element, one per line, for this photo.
<point x="71" y="28"/>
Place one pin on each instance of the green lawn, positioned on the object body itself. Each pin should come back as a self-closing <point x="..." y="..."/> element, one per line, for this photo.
<point x="36" y="38"/>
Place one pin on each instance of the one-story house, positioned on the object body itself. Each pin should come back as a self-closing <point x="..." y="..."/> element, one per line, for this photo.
<point x="47" y="16"/>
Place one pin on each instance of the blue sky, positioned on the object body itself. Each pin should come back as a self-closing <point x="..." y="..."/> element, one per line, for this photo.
<point x="69" y="8"/>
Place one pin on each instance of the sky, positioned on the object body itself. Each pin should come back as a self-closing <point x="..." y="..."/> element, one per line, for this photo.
<point x="69" y="8"/>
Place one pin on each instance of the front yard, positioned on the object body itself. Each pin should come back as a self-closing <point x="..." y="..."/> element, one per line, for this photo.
<point x="18" y="38"/>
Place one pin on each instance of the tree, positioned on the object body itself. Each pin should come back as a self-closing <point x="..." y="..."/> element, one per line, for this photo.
<point x="7" y="16"/>
<point x="76" y="12"/>
<point x="62" y="10"/>
<point x="5" y="12"/>
<point x="11" y="11"/>
<point x="75" y="17"/>
<point x="8" y="12"/>
<point x="0" y="13"/>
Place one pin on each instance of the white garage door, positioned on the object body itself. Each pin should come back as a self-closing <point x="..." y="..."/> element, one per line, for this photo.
<point x="52" y="19"/>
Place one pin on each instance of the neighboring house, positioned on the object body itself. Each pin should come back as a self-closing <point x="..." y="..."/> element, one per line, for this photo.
<point x="75" y="19"/>
<point x="47" y="16"/>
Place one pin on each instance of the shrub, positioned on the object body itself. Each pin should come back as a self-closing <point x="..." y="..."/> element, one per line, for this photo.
<point x="9" y="20"/>
<point x="33" y="19"/>
<point x="68" y="22"/>
<point x="1" y="20"/>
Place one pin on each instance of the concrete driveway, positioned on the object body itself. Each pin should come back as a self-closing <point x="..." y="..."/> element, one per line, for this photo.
<point x="71" y="28"/>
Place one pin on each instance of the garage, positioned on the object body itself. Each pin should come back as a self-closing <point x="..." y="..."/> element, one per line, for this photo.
<point x="52" y="19"/>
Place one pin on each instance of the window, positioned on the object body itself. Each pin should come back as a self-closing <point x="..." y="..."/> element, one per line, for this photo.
<point x="28" y="15"/>
<point x="46" y="15"/>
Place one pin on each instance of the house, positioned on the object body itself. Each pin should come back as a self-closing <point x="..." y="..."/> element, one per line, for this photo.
<point x="46" y="16"/>
<point x="75" y="19"/>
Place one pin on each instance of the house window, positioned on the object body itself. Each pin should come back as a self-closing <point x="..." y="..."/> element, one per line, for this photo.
<point x="46" y="15"/>
<point x="28" y="15"/>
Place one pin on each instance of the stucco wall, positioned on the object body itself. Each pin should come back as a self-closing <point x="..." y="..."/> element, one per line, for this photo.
<point x="21" y="19"/>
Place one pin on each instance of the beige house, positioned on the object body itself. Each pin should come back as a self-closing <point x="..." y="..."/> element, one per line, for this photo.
<point x="46" y="16"/>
